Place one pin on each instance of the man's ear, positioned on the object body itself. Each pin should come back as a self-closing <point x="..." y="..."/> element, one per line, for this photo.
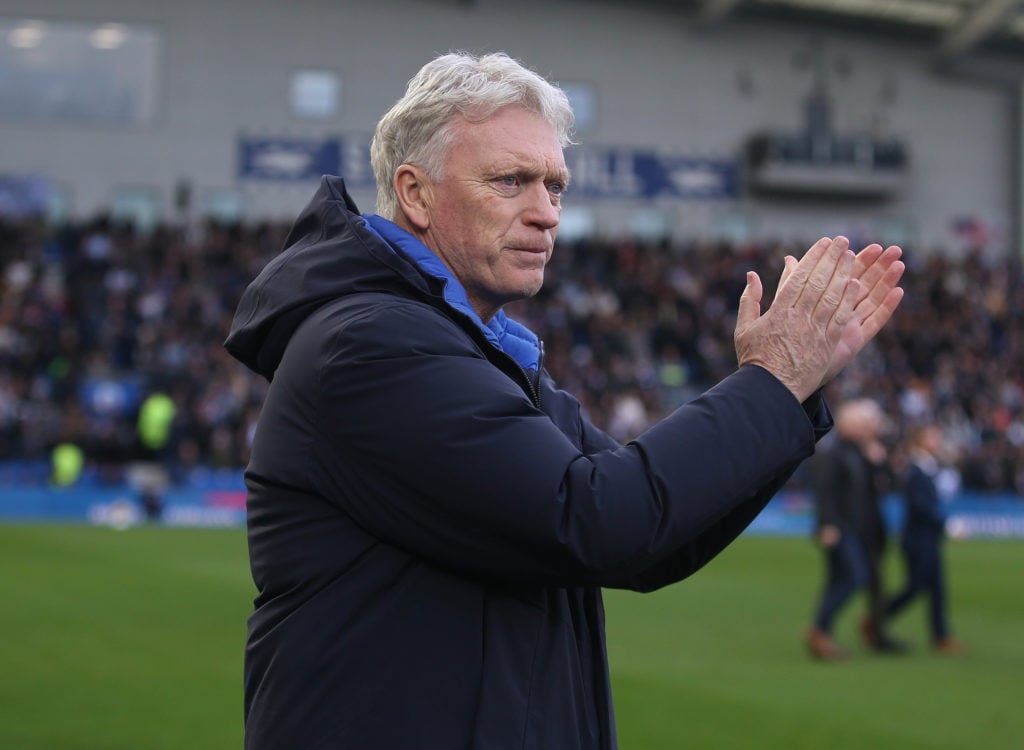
<point x="413" y="189"/>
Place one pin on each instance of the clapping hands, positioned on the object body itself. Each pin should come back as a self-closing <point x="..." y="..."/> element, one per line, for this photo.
<point x="828" y="306"/>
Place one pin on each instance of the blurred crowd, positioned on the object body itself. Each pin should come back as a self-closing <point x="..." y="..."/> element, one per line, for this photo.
<point x="96" y="318"/>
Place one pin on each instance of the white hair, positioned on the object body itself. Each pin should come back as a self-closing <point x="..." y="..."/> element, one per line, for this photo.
<point x="859" y="418"/>
<point x="419" y="128"/>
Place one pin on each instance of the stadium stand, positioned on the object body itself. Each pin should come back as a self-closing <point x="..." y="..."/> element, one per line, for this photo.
<point x="95" y="317"/>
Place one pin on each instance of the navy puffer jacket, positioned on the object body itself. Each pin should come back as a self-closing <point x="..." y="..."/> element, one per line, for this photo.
<point x="430" y="520"/>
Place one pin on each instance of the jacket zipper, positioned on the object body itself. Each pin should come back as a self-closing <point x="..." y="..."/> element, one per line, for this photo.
<point x="533" y="386"/>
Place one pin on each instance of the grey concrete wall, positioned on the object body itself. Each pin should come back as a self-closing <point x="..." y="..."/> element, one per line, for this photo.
<point x="660" y="83"/>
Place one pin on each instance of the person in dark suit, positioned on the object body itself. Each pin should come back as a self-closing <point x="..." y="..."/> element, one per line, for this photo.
<point x="849" y="474"/>
<point x="923" y="533"/>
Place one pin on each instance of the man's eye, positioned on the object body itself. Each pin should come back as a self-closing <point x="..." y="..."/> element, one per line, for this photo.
<point x="556" y="188"/>
<point x="510" y="180"/>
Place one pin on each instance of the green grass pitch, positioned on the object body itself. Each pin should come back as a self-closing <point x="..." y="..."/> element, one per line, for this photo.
<point x="132" y="640"/>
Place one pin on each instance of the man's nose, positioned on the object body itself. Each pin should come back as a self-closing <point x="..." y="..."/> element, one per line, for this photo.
<point x="541" y="210"/>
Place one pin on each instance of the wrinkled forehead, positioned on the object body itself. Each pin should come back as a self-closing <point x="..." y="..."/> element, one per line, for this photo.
<point x="512" y="139"/>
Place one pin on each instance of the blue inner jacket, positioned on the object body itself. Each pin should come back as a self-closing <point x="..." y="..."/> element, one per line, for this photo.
<point x="513" y="338"/>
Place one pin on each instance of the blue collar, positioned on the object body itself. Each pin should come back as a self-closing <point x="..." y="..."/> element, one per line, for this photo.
<point x="513" y="338"/>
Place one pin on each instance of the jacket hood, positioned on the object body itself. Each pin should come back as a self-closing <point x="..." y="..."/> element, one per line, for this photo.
<point x="331" y="252"/>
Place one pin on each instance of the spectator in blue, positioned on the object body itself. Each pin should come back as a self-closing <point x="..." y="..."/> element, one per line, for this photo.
<point x="923" y="533"/>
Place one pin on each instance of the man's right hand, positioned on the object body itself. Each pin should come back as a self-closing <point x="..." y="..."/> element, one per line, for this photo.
<point x="828" y="536"/>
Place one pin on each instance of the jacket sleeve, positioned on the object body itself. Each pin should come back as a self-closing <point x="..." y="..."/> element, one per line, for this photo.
<point x="701" y="550"/>
<point x="826" y="479"/>
<point x="431" y="448"/>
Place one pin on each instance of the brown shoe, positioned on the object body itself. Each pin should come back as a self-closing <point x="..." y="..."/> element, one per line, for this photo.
<point x="821" y="646"/>
<point x="877" y="640"/>
<point x="949" y="646"/>
<point x="869" y="633"/>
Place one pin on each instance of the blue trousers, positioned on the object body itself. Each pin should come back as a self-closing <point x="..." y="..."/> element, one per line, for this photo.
<point x="923" y="557"/>
<point x="848" y="569"/>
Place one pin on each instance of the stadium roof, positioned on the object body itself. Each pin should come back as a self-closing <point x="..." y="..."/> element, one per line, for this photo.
<point x="984" y="37"/>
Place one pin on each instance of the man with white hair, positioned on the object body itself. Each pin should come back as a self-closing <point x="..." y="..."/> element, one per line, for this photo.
<point x="430" y="519"/>
<point x="849" y="475"/>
